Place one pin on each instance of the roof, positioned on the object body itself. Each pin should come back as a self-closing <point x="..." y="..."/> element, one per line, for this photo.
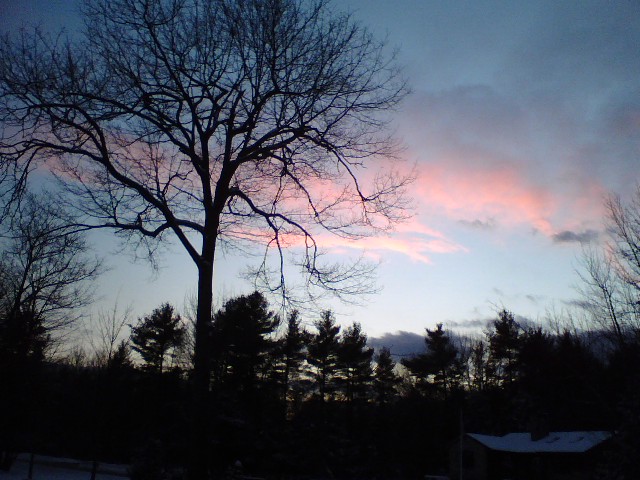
<point x="555" y="442"/>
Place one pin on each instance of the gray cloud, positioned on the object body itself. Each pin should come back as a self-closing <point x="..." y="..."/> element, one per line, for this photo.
<point x="534" y="298"/>
<point x="477" y="224"/>
<point x="478" y="121"/>
<point x="401" y="344"/>
<point x="578" y="303"/>
<point x="567" y="236"/>
<point x="475" y="323"/>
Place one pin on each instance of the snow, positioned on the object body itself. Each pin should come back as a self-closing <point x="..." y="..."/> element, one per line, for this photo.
<point x="555" y="442"/>
<point x="52" y="468"/>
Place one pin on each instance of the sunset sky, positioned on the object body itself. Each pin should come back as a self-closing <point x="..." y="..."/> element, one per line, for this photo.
<point x="523" y="116"/>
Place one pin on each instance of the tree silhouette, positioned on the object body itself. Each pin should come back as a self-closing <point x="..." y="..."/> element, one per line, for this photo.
<point x="45" y="271"/>
<point x="292" y="352"/>
<point x="230" y="122"/>
<point x="158" y="336"/>
<point x="611" y="275"/>
<point x="354" y="359"/>
<point x="439" y="367"/>
<point x="322" y="354"/>
<point x="504" y="343"/>
<point x="242" y="343"/>
<point x="110" y="350"/>
<point x="45" y="276"/>
<point x="478" y="364"/>
<point x="385" y="378"/>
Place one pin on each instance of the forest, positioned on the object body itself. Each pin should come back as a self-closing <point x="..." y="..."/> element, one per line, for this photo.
<point x="291" y="398"/>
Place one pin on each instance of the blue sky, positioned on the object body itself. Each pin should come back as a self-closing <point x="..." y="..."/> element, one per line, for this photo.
<point x="523" y="117"/>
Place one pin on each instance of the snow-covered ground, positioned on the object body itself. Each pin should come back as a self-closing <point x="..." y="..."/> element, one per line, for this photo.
<point x="51" y="468"/>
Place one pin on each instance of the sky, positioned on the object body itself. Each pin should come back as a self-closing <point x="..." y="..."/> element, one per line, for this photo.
<point x="523" y="117"/>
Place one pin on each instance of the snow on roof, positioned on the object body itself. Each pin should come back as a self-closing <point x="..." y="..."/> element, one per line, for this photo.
<point x="555" y="442"/>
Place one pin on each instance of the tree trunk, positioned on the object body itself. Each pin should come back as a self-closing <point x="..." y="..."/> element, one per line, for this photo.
<point x="201" y="425"/>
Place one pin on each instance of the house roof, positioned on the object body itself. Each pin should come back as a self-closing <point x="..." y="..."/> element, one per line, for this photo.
<point x="555" y="442"/>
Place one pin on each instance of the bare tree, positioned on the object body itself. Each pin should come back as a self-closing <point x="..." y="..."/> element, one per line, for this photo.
<point x="225" y="122"/>
<point x="611" y="276"/>
<point x="109" y="339"/>
<point x="624" y="226"/>
<point x="45" y="273"/>
<point x="603" y="292"/>
<point x="45" y="276"/>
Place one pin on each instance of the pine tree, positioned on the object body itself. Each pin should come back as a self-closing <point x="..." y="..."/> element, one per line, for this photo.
<point x="439" y="368"/>
<point x="478" y="365"/>
<point x="385" y="380"/>
<point x="354" y="360"/>
<point x="292" y="353"/>
<point x="504" y="342"/>
<point x="23" y="337"/>
<point x="158" y="336"/>
<point x="121" y="357"/>
<point x="323" y="353"/>
<point x="242" y="344"/>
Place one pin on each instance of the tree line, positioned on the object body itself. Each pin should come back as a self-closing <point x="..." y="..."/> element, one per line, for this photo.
<point x="292" y="397"/>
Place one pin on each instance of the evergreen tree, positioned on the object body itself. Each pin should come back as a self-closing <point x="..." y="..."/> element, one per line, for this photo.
<point x="535" y="361"/>
<point x="23" y="340"/>
<point x="385" y="380"/>
<point x="242" y="346"/>
<point x="158" y="336"/>
<point x="291" y="349"/>
<point x="504" y="342"/>
<point x="354" y="360"/>
<point x="478" y="365"/>
<point x="23" y="337"/>
<point x="121" y="357"/>
<point x="323" y="353"/>
<point x="580" y="387"/>
<point x="439" y="368"/>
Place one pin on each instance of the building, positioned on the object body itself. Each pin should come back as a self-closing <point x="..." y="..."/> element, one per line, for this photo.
<point x="526" y="456"/>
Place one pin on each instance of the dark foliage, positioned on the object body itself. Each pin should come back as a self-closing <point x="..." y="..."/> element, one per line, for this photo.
<point x="290" y="358"/>
<point x="158" y="337"/>
<point x="438" y="370"/>
<point x="354" y="360"/>
<point x="299" y="404"/>
<point x="385" y="378"/>
<point x="323" y="355"/>
<point x="242" y="345"/>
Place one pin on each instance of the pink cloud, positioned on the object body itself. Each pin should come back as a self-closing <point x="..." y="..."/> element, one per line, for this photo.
<point x="468" y="194"/>
<point x="412" y="239"/>
<point x="485" y="155"/>
<point x="456" y="188"/>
